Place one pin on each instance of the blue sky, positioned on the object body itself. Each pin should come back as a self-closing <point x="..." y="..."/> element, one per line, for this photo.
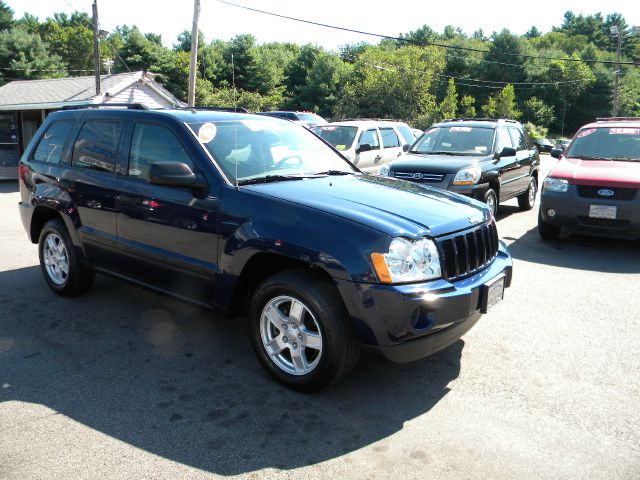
<point x="387" y="18"/>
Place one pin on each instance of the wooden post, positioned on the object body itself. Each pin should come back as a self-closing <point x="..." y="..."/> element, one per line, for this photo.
<point x="194" y="54"/>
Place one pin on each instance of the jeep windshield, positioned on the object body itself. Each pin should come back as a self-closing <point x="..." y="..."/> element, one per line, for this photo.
<point x="455" y="140"/>
<point x="340" y="136"/>
<point x="606" y="143"/>
<point x="257" y="150"/>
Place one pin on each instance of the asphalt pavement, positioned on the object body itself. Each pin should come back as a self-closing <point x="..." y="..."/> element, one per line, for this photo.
<point x="125" y="383"/>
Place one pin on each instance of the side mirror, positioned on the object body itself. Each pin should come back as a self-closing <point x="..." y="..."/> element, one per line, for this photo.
<point x="507" y="152"/>
<point x="175" y="174"/>
<point x="406" y="147"/>
<point x="556" y="152"/>
<point x="365" y="147"/>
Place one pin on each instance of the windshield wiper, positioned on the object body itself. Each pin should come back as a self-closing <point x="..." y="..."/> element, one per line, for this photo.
<point x="627" y="159"/>
<point x="444" y="153"/>
<point x="587" y="157"/>
<point x="271" y="178"/>
<point x="334" y="172"/>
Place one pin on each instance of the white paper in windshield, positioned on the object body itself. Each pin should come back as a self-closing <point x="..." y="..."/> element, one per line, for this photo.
<point x="207" y="132"/>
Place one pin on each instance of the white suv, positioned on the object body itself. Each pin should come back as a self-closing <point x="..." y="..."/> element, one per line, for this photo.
<point x="367" y="143"/>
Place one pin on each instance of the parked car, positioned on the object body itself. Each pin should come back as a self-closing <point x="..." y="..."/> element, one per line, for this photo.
<point x="593" y="189"/>
<point x="543" y="145"/>
<point x="306" y="119"/>
<point x="489" y="160"/>
<point x="367" y="143"/>
<point x="562" y="144"/>
<point x="253" y="215"/>
<point x="417" y="133"/>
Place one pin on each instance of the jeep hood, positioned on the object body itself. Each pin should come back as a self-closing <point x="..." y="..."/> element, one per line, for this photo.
<point x="442" y="164"/>
<point x="394" y="207"/>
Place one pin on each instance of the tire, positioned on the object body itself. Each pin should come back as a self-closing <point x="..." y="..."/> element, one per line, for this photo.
<point x="311" y="349"/>
<point x="491" y="199"/>
<point x="527" y="200"/>
<point x="547" y="230"/>
<point x="60" y="265"/>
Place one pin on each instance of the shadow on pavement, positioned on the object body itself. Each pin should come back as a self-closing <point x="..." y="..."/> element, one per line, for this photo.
<point x="578" y="252"/>
<point x="9" y="186"/>
<point x="162" y="376"/>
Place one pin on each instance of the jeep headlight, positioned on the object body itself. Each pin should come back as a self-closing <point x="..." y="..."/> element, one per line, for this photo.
<point x="467" y="176"/>
<point x="407" y="261"/>
<point x="384" y="170"/>
<point x="555" y="184"/>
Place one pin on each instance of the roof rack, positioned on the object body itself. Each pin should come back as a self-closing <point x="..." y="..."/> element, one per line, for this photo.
<point x="469" y="119"/>
<point x="218" y="109"/>
<point x="129" y="106"/>
<point x="617" y="119"/>
<point x="371" y="119"/>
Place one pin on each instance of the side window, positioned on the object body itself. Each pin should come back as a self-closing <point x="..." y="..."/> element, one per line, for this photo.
<point x="370" y="137"/>
<point x="503" y="139"/>
<point x="97" y="145"/>
<point x="154" y="144"/>
<point x="389" y="138"/>
<point x="52" y="143"/>
<point x="517" y="136"/>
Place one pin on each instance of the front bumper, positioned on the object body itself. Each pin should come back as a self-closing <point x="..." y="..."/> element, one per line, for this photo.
<point x="408" y="322"/>
<point x="572" y="212"/>
<point x="476" y="192"/>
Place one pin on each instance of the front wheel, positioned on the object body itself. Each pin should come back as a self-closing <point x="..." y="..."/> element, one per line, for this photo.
<point x="547" y="230"/>
<point x="301" y="331"/>
<point x="527" y="200"/>
<point x="491" y="199"/>
<point x="60" y="265"/>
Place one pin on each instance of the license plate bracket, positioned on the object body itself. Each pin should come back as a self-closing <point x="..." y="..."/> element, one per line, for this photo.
<point x="492" y="293"/>
<point x="603" y="211"/>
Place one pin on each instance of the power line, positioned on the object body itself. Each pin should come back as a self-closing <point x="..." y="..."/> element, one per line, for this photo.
<point x="421" y="43"/>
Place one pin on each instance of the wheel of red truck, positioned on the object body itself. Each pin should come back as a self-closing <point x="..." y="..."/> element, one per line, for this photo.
<point x="59" y="263"/>
<point x="527" y="200"/>
<point x="547" y="230"/>
<point x="301" y="331"/>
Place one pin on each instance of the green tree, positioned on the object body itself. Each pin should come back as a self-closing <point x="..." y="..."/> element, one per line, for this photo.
<point x="467" y="108"/>
<point x="449" y="104"/>
<point x="506" y="103"/>
<point x="392" y="83"/>
<point x="321" y="91"/>
<point x="25" y="56"/>
<point x="538" y="112"/>
<point x="6" y="16"/>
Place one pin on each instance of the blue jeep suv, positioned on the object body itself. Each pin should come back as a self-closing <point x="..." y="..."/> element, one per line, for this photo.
<point x="256" y="216"/>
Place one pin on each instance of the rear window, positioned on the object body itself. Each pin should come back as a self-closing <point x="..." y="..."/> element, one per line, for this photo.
<point x="609" y="143"/>
<point x="341" y="137"/>
<point x="52" y="143"/>
<point x="405" y="131"/>
<point x="389" y="138"/>
<point x="97" y="145"/>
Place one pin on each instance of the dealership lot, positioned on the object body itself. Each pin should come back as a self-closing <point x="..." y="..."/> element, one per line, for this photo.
<point x="125" y="383"/>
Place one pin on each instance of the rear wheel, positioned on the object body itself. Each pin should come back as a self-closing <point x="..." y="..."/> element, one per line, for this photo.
<point x="60" y="265"/>
<point x="547" y="230"/>
<point x="527" y="200"/>
<point x="301" y="331"/>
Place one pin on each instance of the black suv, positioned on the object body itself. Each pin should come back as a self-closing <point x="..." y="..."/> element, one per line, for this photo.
<point x="486" y="159"/>
<point x="255" y="215"/>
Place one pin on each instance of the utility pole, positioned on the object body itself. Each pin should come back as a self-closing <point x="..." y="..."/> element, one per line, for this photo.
<point x="616" y="79"/>
<point x="96" y="50"/>
<point x="194" y="54"/>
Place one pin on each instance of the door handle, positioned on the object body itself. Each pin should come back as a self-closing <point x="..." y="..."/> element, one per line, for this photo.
<point x="378" y="158"/>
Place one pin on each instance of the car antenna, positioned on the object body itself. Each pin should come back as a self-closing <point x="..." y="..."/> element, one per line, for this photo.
<point x="235" y="117"/>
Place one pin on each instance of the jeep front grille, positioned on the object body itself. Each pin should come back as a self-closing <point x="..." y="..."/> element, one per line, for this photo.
<point x="467" y="252"/>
